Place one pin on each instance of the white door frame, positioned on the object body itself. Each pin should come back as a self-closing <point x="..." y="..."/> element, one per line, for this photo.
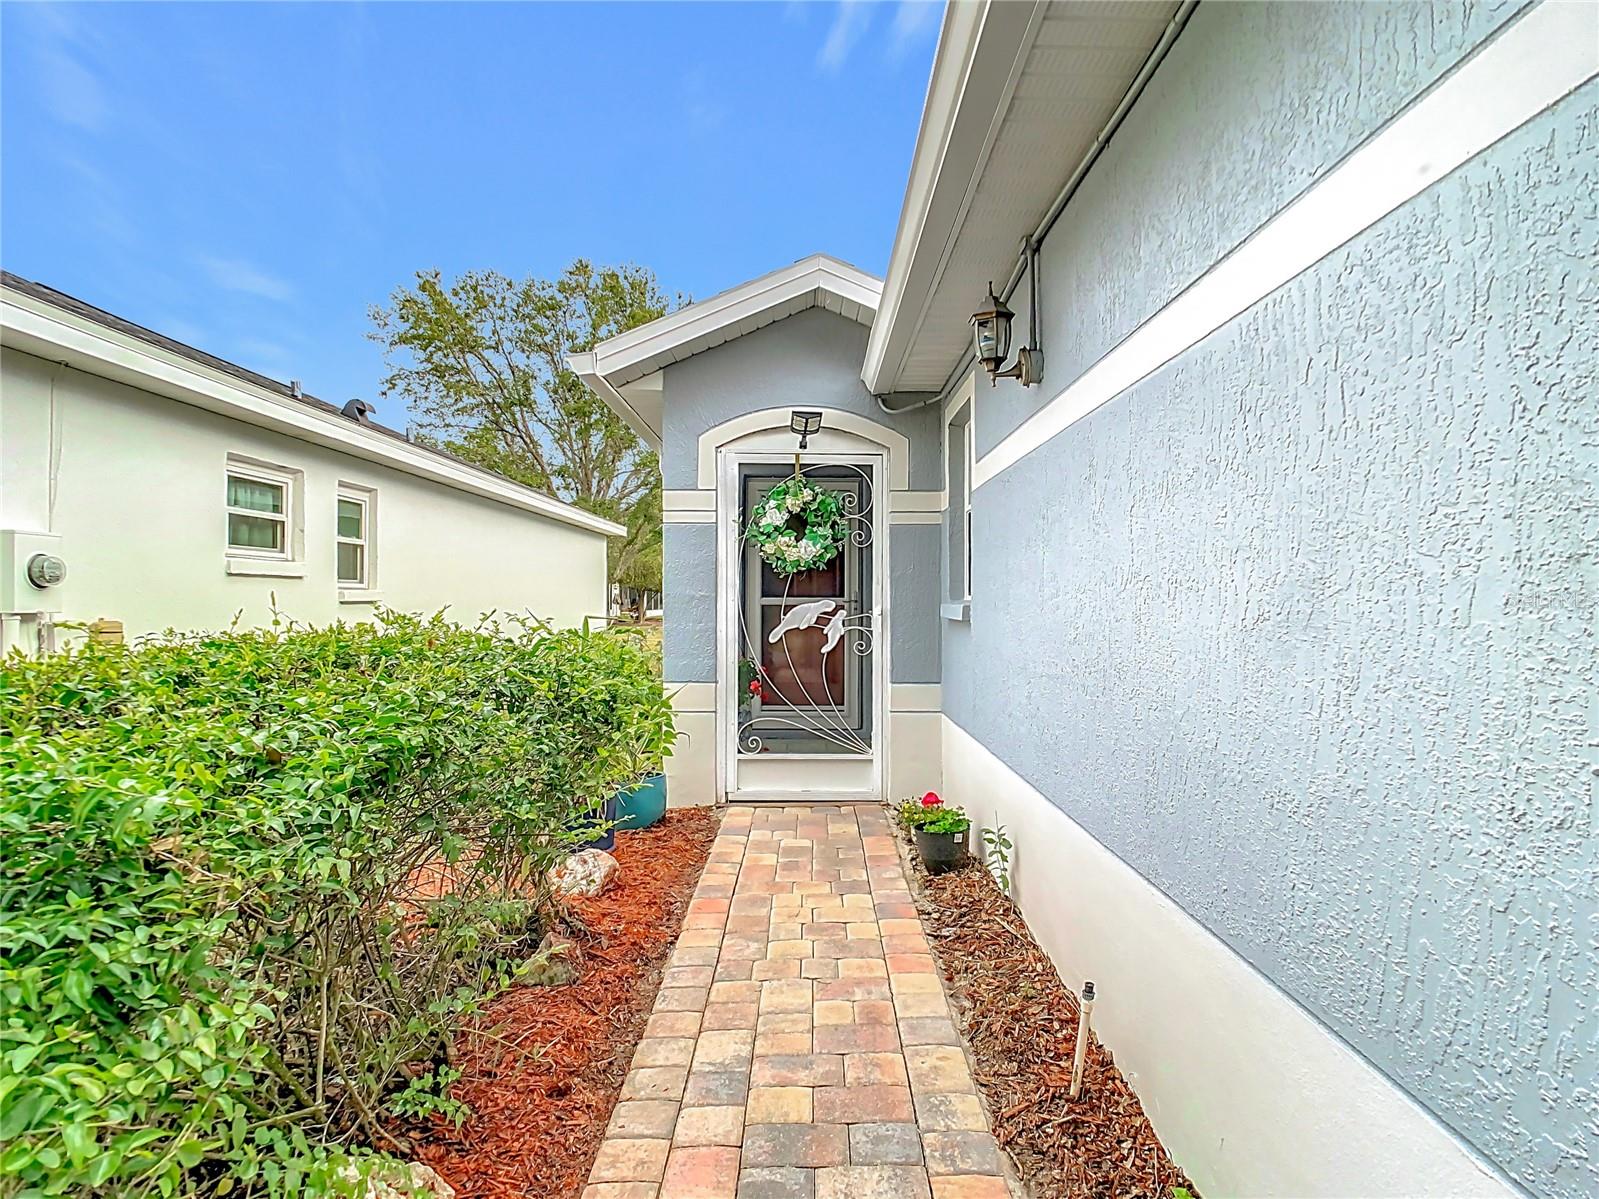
<point x="729" y="574"/>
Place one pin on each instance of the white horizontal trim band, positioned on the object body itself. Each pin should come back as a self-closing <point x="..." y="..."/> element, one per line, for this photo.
<point x="916" y="501"/>
<point x="915" y="518"/>
<point x="915" y="697"/>
<point x="1542" y="57"/>
<point x="687" y="499"/>
<point x="688" y="518"/>
<point x="692" y="697"/>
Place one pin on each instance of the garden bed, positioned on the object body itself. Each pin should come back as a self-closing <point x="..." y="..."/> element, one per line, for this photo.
<point x="1021" y="1024"/>
<point x="541" y="1071"/>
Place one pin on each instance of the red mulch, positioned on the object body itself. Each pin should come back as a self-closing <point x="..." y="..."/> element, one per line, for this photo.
<point x="1021" y="1023"/>
<point x="542" y="1081"/>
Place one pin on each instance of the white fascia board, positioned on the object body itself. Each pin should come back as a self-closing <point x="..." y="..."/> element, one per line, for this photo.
<point x="583" y="366"/>
<point x="729" y="308"/>
<point x="980" y="52"/>
<point x="36" y="327"/>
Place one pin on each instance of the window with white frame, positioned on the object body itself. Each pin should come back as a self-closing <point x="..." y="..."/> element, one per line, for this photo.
<point x="258" y="511"/>
<point x="354" y="538"/>
<point x="960" y="458"/>
<point x="966" y="506"/>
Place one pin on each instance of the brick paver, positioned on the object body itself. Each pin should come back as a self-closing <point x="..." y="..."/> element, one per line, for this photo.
<point x="801" y="1045"/>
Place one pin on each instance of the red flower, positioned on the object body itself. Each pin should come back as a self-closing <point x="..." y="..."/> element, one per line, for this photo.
<point x="931" y="800"/>
<point x="755" y="688"/>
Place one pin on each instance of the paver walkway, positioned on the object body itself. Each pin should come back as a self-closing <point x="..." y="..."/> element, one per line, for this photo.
<point x="801" y="1045"/>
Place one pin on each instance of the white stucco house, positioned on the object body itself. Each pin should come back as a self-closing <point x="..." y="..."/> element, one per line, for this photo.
<point x="1255" y="599"/>
<point x="182" y="491"/>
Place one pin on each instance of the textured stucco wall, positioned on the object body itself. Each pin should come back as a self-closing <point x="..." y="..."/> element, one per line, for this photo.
<point x="811" y="359"/>
<point x="688" y="603"/>
<point x="1313" y="609"/>
<point x="1254" y="103"/>
<point x="913" y="555"/>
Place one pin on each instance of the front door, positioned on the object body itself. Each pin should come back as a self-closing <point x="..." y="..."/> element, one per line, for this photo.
<point x="804" y="708"/>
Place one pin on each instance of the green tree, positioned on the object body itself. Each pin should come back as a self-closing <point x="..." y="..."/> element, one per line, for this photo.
<point x="481" y="363"/>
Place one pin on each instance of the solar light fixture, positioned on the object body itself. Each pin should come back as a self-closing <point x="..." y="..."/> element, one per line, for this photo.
<point x="804" y="423"/>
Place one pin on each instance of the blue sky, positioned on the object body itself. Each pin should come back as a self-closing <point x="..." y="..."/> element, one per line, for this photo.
<point x="250" y="177"/>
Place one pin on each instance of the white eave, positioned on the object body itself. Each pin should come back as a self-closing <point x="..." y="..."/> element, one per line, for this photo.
<point x="35" y="326"/>
<point x="1019" y="96"/>
<point x="624" y="371"/>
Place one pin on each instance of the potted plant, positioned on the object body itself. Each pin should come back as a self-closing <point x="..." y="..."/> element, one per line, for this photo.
<point x="642" y="802"/>
<point x="940" y="831"/>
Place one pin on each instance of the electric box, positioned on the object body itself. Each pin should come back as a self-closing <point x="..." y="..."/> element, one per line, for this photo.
<point x="32" y="573"/>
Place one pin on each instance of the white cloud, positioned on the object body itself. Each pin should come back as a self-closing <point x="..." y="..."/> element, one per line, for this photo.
<point x="912" y="19"/>
<point x="235" y="274"/>
<point x="71" y="91"/>
<point x="65" y="50"/>
<point x="849" y="23"/>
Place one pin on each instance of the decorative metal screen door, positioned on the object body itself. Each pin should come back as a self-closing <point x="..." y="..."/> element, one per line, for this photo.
<point x="804" y="703"/>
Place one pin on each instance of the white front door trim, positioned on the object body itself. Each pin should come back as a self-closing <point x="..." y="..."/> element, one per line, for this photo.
<point x="729" y="567"/>
<point x="834" y="420"/>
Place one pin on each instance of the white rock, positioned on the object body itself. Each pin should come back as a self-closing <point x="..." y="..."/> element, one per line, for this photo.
<point x="398" y="1180"/>
<point x="586" y="873"/>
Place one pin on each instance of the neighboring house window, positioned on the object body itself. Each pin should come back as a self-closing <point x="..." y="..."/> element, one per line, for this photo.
<point x="258" y="512"/>
<point x="355" y="538"/>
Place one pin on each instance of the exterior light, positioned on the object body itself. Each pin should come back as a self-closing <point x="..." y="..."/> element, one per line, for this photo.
<point x="805" y="424"/>
<point x="991" y="332"/>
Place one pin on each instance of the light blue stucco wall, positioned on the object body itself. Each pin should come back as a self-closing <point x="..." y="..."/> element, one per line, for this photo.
<point x="809" y="360"/>
<point x="688" y="603"/>
<point x="1302" y="627"/>
<point x="1219" y="151"/>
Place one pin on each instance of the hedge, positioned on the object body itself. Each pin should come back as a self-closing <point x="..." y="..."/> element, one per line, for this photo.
<point x="250" y="880"/>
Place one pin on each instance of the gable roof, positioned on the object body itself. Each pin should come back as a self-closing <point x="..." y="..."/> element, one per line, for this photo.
<point x="620" y="370"/>
<point x="39" y="320"/>
<point x="1023" y="95"/>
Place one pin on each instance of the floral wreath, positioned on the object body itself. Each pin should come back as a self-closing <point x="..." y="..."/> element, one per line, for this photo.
<point x="798" y="527"/>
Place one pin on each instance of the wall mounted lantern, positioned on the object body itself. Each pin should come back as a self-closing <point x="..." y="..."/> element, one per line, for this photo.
<point x="991" y="327"/>
<point x="805" y="424"/>
<point x="991" y="331"/>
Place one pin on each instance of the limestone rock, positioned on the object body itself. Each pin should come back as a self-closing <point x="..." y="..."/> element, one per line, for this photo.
<point x="586" y="873"/>
<point x="397" y="1180"/>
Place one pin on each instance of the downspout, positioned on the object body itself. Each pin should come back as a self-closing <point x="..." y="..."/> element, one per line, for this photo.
<point x="1063" y="197"/>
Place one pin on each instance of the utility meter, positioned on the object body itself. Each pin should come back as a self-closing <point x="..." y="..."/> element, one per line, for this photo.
<point x="46" y="570"/>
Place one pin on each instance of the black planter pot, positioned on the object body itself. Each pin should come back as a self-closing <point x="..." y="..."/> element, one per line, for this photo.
<point x="606" y="814"/>
<point x="940" y="851"/>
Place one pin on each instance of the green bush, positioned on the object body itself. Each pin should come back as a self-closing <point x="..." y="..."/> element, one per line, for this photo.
<point x="223" y="934"/>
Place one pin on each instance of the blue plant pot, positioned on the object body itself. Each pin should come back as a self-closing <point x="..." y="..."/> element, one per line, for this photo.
<point x="642" y="805"/>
